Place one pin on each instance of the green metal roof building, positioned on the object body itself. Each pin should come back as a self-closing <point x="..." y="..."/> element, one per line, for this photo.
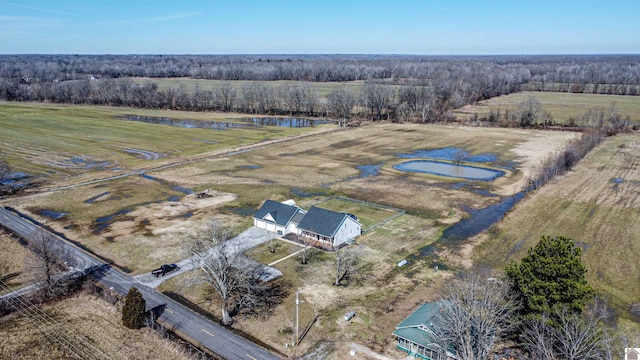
<point x="416" y="333"/>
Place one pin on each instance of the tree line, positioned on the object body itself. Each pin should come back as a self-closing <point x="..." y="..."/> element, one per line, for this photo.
<point x="402" y="88"/>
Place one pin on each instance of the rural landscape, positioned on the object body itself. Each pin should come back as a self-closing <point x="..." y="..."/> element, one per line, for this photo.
<point x="459" y="171"/>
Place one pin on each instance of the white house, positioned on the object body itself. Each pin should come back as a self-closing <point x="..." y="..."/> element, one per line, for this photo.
<point x="277" y="217"/>
<point x="328" y="228"/>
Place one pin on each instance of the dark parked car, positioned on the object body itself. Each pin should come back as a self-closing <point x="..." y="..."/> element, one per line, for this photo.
<point x="165" y="269"/>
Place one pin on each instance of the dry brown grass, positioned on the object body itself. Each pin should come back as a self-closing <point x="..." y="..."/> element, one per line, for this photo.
<point x="562" y="106"/>
<point x="588" y="206"/>
<point x="12" y="268"/>
<point x="81" y="319"/>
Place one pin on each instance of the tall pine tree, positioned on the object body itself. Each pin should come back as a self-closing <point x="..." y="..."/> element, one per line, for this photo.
<point x="133" y="312"/>
<point x="551" y="277"/>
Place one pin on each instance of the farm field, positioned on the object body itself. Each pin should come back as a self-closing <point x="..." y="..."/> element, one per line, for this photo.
<point x="562" y="106"/>
<point x="82" y="318"/>
<point x="598" y="206"/>
<point x="189" y="84"/>
<point x="141" y="221"/>
<point x="69" y="143"/>
<point x="136" y="221"/>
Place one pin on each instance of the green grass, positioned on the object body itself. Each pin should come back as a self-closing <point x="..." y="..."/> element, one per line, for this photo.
<point x="562" y="106"/>
<point x="368" y="215"/>
<point x="587" y="206"/>
<point x="43" y="139"/>
<point x="322" y="88"/>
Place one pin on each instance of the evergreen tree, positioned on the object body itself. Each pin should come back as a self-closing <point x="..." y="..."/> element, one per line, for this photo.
<point x="133" y="312"/>
<point x="551" y="277"/>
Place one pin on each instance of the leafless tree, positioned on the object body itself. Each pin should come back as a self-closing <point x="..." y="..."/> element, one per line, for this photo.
<point x="529" y="111"/>
<point x="47" y="262"/>
<point x="460" y="156"/>
<point x="341" y="103"/>
<point x="227" y="96"/>
<point x="235" y="278"/>
<point x="477" y="312"/>
<point x="569" y="336"/>
<point x="377" y="98"/>
<point x="347" y="260"/>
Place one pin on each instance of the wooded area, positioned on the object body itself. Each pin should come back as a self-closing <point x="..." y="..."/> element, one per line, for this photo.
<point x="403" y="88"/>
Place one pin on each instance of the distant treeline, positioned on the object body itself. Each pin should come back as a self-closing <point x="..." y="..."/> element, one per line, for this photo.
<point x="430" y="85"/>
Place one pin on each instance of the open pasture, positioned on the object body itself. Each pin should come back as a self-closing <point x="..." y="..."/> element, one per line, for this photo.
<point x="139" y="221"/>
<point x="189" y="85"/>
<point x="598" y="206"/>
<point x="57" y="141"/>
<point x="147" y="217"/>
<point x="562" y="106"/>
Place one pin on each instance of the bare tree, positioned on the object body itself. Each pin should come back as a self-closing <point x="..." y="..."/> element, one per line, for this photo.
<point x="347" y="260"/>
<point x="459" y="156"/>
<point x="47" y="263"/>
<point x="341" y="103"/>
<point x="227" y="96"/>
<point x="377" y="98"/>
<point x="477" y="312"/>
<point x="235" y="278"/>
<point x="569" y="336"/>
<point x="529" y="111"/>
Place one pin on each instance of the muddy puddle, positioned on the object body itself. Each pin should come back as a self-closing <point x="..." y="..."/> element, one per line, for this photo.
<point x="244" y="123"/>
<point x="51" y="214"/>
<point x="369" y="170"/>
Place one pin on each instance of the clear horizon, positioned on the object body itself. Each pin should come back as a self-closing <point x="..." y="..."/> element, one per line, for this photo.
<point x="288" y="27"/>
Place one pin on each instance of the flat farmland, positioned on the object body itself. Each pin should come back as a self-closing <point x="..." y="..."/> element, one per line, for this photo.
<point x="189" y="85"/>
<point x="140" y="221"/>
<point x="61" y="141"/>
<point x="562" y="106"/>
<point x="598" y="206"/>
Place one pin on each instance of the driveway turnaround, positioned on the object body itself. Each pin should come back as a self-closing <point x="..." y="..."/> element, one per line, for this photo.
<point x="244" y="241"/>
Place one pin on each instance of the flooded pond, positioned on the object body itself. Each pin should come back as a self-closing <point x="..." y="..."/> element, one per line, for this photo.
<point x="244" y="123"/>
<point x="449" y="169"/>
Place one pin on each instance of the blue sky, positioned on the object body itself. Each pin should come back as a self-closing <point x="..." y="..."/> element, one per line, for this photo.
<point x="427" y="27"/>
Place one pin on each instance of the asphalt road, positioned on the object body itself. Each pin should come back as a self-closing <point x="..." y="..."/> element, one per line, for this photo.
<point x="174" y="316"/>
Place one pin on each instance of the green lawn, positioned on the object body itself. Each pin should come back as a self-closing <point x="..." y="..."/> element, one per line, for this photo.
<point x="562" y="106"/>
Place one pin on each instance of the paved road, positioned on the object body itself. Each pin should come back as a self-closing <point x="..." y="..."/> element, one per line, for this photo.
<point x="175" y="316"/>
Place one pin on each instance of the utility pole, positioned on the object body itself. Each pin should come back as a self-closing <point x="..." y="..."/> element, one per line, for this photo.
<point x="297" y="317"/>
<point x="297" y="323"/>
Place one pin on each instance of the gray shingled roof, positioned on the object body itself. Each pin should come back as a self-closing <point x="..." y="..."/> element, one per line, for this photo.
<point x="281" y="213"/>
<point x="322" y="221"/>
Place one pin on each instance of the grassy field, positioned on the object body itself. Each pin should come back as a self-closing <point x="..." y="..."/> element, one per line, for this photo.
<point x="57" y="141"/>
<point x="81" y="319"/>
<point x="598" y="206"/>
<point x="562" y="106"/>
<point x="151" y="216"/>
<point x="323" y="89"/>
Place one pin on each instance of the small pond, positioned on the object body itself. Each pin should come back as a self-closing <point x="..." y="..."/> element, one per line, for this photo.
<point x="449" y="169"/>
